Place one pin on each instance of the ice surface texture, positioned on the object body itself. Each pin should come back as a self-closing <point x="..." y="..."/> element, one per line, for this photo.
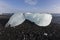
<point x="15" y="20"/>
<point x="37" y="18"/>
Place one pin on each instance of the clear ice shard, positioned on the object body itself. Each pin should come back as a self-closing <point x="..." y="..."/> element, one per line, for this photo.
<point x="16" y="19"/>
<point x="39" y="19"/>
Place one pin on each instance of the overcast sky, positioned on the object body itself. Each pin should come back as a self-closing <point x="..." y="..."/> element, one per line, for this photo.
<point x="52" y="6"/>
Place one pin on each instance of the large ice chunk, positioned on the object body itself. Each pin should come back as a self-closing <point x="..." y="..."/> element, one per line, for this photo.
<point x="15" y="20"/>
<point x="39" y="19"/>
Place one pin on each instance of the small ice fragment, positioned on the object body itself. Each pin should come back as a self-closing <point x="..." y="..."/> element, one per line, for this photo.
<point x="39" y="19"/>
<point x="16" y="19"/>
<point x="45" y="34"/>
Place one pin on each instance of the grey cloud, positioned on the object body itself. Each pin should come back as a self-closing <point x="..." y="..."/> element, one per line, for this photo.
<point x="31" y="2"/>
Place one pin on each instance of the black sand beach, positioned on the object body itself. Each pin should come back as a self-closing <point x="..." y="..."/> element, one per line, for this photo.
<point x="28" y="31"/>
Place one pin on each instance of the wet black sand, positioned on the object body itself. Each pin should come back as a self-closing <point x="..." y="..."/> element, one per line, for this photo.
<point x="29" y="31"/>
